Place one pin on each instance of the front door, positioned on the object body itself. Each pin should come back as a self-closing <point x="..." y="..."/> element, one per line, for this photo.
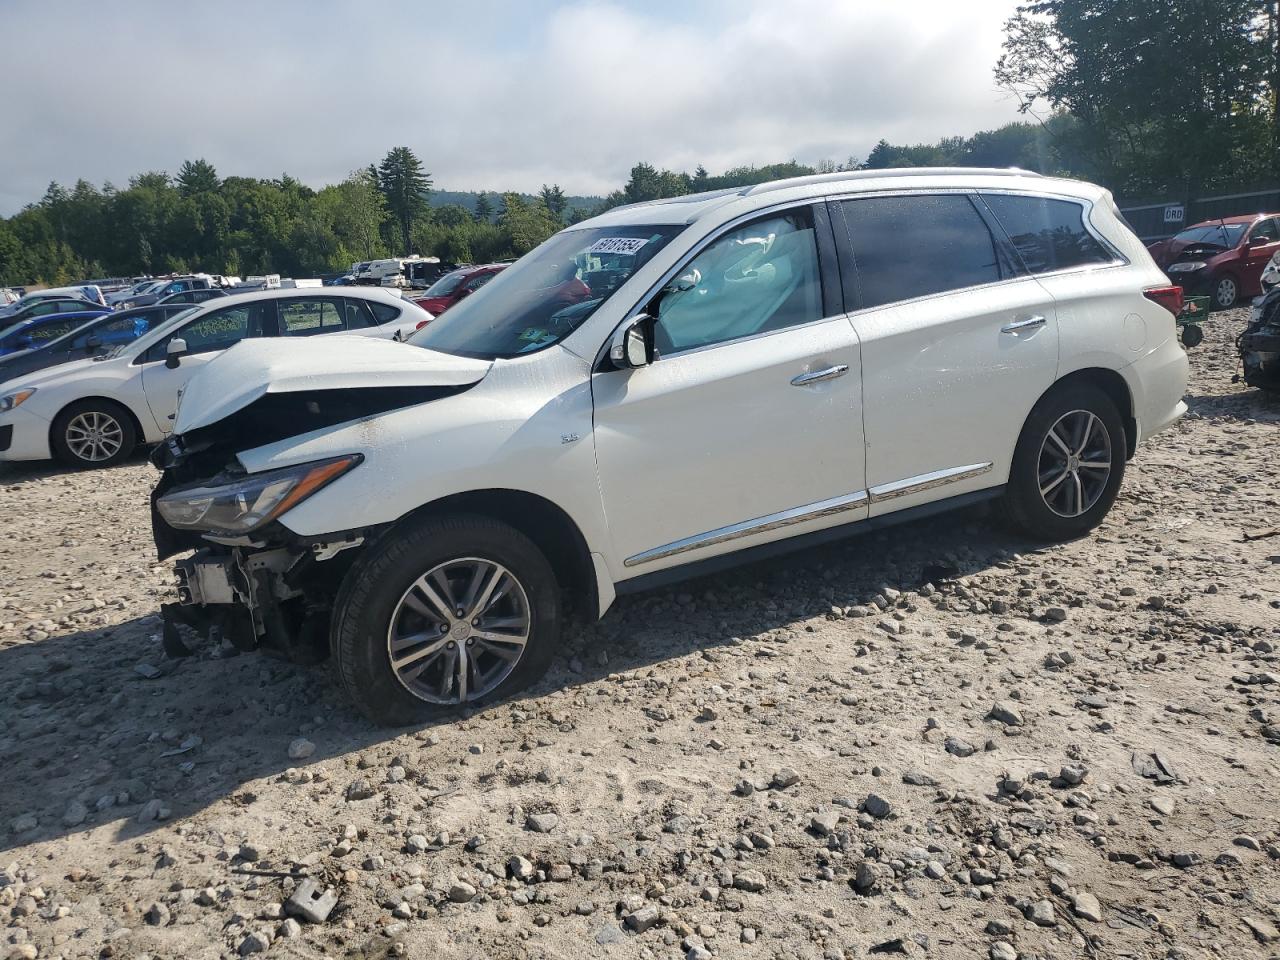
<point x="747" y="427"/>
<point x="1263" y="241"/>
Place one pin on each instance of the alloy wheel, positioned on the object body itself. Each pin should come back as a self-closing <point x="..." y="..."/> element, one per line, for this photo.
<point x="94" y="436"/>
<point x="1075" y="463"/>
<point x="459" y="631"/>
<point x="1226" y="293"/>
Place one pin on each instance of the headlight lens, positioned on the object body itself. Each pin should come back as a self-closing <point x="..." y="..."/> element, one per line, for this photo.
<point x="12" y="400"/>
<point x="1187" y="267"/>
<point x="246" y="504"/>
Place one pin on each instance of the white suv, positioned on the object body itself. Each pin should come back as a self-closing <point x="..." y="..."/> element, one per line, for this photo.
<point x="664" y="389"/>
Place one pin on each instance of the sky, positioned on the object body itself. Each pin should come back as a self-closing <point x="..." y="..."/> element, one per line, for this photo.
<point x="490" y="95"/>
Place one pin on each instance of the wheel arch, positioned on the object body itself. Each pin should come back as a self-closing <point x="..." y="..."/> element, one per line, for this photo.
<point x="140" y="433"/>
<point x="1114" y="386"/>
<point x="545" y="523"/>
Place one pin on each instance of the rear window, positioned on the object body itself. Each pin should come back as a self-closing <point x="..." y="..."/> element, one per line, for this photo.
<point x="1048" y="234"/>
<point x="384" y="312"/>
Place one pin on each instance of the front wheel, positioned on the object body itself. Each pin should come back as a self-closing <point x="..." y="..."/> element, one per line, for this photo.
<point x="444" y="613"/>
<point x="93" y="433"/>
<point x="1068" y="464"/>
<point x="1225" y="292"/>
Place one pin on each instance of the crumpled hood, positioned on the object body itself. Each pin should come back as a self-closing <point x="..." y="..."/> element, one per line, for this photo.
<point x="254" y="368"/>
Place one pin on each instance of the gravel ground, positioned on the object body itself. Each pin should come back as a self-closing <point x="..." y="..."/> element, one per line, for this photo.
<point x="1066" y="751"/>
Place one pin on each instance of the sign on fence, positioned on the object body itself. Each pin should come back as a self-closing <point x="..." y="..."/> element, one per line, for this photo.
<point x="1175" y="213"/>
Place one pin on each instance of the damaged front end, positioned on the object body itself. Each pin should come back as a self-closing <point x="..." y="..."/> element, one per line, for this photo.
<point x="1259" y="345"/>
<point x="251" y="581"/>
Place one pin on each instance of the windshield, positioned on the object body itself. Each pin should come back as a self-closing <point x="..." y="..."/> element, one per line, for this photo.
<point x="1219" y="234"/>
<point x="446" y="284"/>
<point x="546" y="294"/>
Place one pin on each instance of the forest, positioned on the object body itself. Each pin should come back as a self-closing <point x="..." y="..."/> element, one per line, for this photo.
<point x="1155" y="99"/>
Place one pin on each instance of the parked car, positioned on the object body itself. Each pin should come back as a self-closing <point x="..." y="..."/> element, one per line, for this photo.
<point x="650" y="394"/>
<point x="194" y="296"/>
<point x="1222" y="258"/>
<point x="94" y="412"/>
<point x="8" y="295"/>
<point x="89" y="294"/>
<point x="35" y="332"/>
<point x="93" y="338"/>
<point x="168" y="288"/>
<point x="455" y="286"/>
<point x="137" y="290"/>
<point x="49" y="306"/>
<point x="1271" y="274"/>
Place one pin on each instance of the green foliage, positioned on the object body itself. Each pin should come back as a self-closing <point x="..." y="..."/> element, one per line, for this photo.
<point x="404" y="184"/>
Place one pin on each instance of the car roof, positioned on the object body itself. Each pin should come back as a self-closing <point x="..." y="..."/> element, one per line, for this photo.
<point x="695" y="206"/>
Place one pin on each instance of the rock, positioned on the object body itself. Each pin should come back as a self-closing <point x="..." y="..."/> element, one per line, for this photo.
<point x="866" y="877"/>
<point x="1041" y="913"/>
<point x="1073" y="774"/>
<point x="917" y="778"/>
<point x="1186" y="859"/>
<point x="76" y="814"/>
<point x="824" y="824"/>
<point x="1006" y="713"/>
<point x="359" y="789"/>
<point x="609" y="934"/>
<point x="24" y="823"/>
<point x="301" y="748"/>
<point x="960" y="748"/>
<point x="786" y="777"/>
<point x="643" y="919"/>
<point x="148" y="671"/>
<point x="157" y="915"/>
<point x="753" y="881"/>
<point x="520" y="869"/>
<point x="1055" y="614"/>
<point x="1163" y="805"/>
<point x="461" y="892"/>
<point x="256" y="941"/>
<point x="310" y="902"/>
<point x="1249" y="843"/>
<point x="151" y="811"/>
<point x="542" y="822"/>
<point x="877" y="806"/>
<point x="289" y="929"/>
<point x="1086" y="905"/>
<point x="1001" y="950"/>
<point x="1262" y="930"/>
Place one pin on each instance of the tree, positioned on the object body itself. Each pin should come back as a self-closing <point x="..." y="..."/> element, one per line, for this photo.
<point x="197" y="176"/>
<point x="1165" y="94"/>
<point x="359" y="214"/>
<point x="484" y="208"/>
<point x="554" y="200"/>
<point x="405" y="185"/>
<point x="527" y="224"/>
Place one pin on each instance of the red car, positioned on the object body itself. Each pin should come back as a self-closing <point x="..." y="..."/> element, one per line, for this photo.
<point x="1223" y="258"/>
<point x="452" y="287"/>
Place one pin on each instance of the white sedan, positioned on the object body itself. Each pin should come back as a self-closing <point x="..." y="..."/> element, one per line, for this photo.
<point x="94" y="412"/>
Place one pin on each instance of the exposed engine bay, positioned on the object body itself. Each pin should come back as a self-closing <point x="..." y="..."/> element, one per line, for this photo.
<point x="1259" y="345"/>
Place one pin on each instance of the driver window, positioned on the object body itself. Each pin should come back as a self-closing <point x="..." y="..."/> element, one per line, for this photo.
<point x="1267" y="230"/>
<point x="755" y="279"/>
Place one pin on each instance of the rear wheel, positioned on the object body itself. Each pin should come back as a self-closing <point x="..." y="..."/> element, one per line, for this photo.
<point x="1068" y="464"/>
<point x="1225" y="292"/>
<point x="444" y="613"/>
<point x="93" y="433"/>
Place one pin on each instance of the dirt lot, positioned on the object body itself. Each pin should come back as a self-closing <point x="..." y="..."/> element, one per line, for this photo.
<point x="1068" y="751"/>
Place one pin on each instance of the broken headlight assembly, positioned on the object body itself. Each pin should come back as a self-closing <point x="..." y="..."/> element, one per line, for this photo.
<point x="241" y="506"/>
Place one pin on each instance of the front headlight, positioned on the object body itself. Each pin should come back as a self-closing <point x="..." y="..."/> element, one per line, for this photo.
<point x="12" y="400"/>
<point x="1187" y="267"/>
<point x="246" y="504"/>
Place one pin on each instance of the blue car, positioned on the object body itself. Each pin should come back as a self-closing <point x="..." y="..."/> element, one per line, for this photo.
<point x="92" y="338"/>
<point x="36" y="332"/>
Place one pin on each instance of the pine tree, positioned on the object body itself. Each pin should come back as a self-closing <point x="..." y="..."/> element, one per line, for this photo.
<point x="405" y="185"/>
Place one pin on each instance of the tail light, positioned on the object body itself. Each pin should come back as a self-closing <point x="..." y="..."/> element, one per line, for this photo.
<point x="1168" y="297"/>
<point x="422" y="323"/>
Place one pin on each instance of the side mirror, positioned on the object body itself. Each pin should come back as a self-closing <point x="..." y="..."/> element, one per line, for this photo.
<point x="1260" y="241"/>
<point x="92" y="344"/>
<point x="173" y="353"/>
<point x="633" y="343"/>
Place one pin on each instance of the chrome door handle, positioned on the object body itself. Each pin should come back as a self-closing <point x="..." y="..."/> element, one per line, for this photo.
<point x="1026" y="324"/>
<point x="817" y="376"/>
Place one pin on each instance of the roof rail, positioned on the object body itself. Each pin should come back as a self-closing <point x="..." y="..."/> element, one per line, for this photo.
<point x="892" y="172"/>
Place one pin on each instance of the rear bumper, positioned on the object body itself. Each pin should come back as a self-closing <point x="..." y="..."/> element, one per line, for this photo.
<point x="27" y="436"/>
<point x="1158" y="383"/>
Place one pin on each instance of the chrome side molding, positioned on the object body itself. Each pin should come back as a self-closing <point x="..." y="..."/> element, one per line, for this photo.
<point x="811" y="511"/>
<point x="747" y="528"/>
<point x="926" y="481"/>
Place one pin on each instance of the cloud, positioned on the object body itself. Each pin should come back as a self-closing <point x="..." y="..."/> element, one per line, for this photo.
<point x="490" y="95"/>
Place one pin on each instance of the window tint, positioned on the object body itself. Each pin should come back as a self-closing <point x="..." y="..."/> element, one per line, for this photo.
<point x="382" y="312"/>
<point x="73" y="306"/>
<point x="41" y="309"/>
<point x="359" y="316"/>
<point x="41" y="333"/>
<point x="1049" y="234"/>
<point x="475" y="283"/>
<point x="905" y="247"/>
<point x="756" y="278"/>
<point x="220" y="329"/>
<point x="304" y="318"/>
<point x="124" y="329"/>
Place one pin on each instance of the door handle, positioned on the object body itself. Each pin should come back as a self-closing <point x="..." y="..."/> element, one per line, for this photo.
<point x="817" y="376"/>
<point x="1026" y="324"/>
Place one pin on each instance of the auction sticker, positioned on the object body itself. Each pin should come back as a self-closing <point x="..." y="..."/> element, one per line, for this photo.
<point x="620" y="245"/>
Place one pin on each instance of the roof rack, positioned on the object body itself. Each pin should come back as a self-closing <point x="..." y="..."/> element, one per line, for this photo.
<point x="889" y="173"/>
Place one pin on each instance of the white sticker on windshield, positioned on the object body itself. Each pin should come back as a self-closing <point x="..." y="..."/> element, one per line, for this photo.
<point x="621" y="245"/>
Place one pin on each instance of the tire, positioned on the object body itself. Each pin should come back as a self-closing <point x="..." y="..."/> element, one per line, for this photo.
<point x="1226" y="292"/>
<point x="1038" y="460"/>
<point x="1192" y="335"/>
<point x="382" y="601"/>
<point x="93" y="433"/>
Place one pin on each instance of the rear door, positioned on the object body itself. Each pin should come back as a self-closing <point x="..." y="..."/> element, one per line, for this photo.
<point x="1261" y="244"/>
<point x="958" y="343"/>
